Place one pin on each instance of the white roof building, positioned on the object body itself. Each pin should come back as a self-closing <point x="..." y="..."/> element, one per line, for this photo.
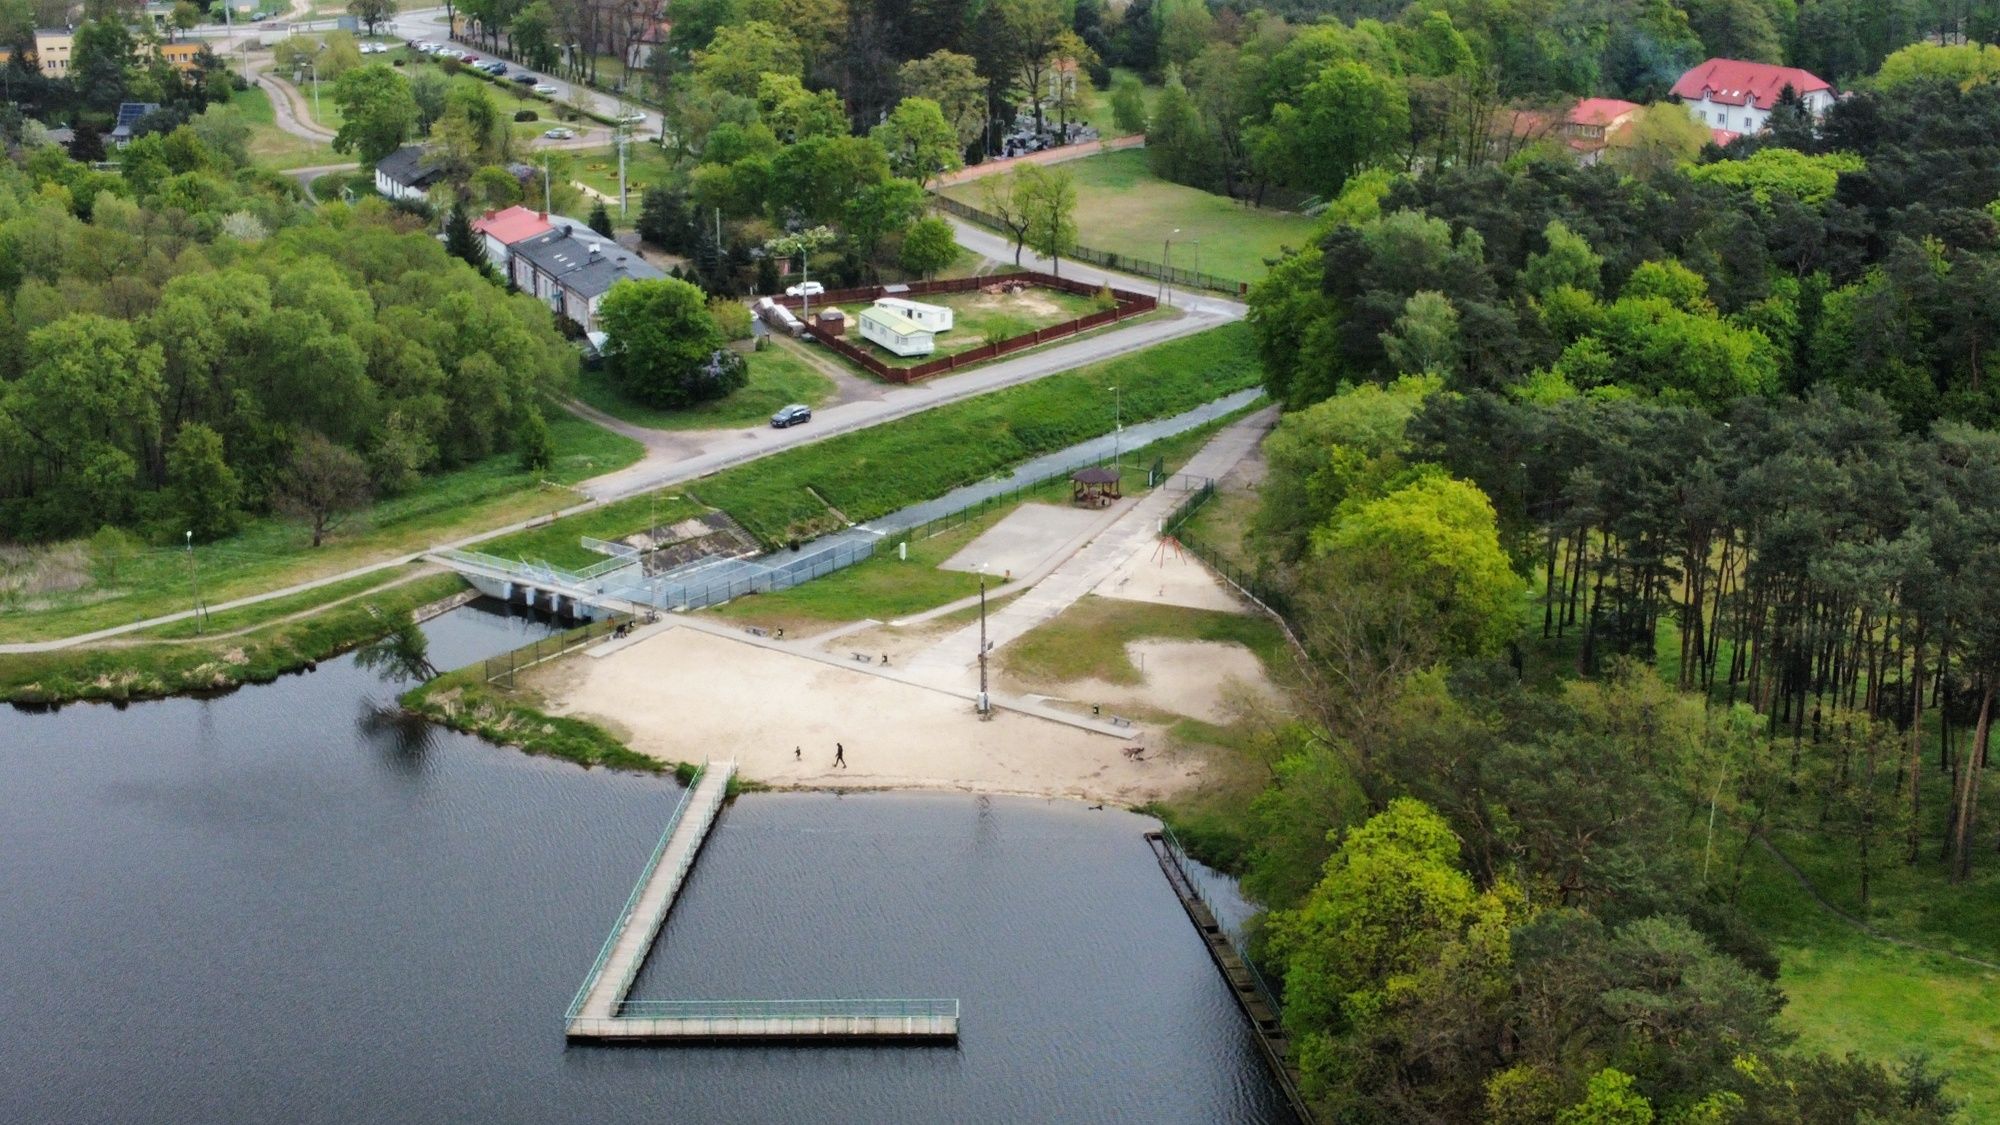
<point x="896" y="332"/>
<point x="937" y="318"/>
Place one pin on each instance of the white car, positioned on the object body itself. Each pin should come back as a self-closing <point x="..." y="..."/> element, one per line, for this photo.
<point x="809" y="289"/>
<point x="559" y="134"/>
<point x="424" y="45"/>
<point x="632" y="118"/>
<point x="545" y="90"/>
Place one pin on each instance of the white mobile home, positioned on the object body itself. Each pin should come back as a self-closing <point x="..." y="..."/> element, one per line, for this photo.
<point x="896" y="332"/>
<point x="937" y="318"/>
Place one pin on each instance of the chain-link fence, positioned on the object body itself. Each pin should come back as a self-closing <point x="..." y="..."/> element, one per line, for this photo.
<point x="502" y="668"/>
<point x="1125" y="263"/>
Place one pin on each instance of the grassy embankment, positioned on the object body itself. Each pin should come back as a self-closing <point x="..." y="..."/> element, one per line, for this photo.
<point x="270" y="553"/>
<point x="778" y="377"/>
<point x="805" y="491"/>
<point x="1121" y="207"/>
<point x="463" y="700"/>
<point x="885" y="587"/>
<point x="268" y="145"/>
<point x="161" y="666"/>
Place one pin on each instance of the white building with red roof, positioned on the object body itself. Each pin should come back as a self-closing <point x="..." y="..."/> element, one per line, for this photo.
<point x="502" y="229"/>
<point x="1589" y="125"/>
<point x="1738" y="96"/>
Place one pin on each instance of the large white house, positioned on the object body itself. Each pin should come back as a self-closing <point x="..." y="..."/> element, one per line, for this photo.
<point x="1738" y="96"/>
<point x="937" y="318"/>
<point x="896" y="332"/>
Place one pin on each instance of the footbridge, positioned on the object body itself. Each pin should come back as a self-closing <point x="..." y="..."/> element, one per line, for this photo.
<point x="601" y="1011"/>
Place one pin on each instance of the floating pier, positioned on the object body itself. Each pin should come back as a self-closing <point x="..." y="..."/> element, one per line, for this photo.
<point x="602" y="1013"/>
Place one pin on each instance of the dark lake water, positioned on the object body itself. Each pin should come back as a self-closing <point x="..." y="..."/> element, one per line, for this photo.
<point x="269" y="907"/>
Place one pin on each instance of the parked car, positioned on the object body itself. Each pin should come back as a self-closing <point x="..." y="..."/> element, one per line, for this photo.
<point x="809" y="289"/>
<point x="632" y="118"/>
<point x="496" y="68"/>
<point x="791" y="416"/>
<point x="525" y="79"/>
<point x="424" y="45"/>
<point x="469" y="59"/>
<point x="545" y="89"/>
<point x="560" y="134"/>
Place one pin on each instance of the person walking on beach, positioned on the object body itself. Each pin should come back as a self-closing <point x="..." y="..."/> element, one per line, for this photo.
<point x="798" y="753"/>
<point x="840" y="755"/>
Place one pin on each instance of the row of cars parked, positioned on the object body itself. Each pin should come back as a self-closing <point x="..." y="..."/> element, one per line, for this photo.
<point x="494" y="67"/>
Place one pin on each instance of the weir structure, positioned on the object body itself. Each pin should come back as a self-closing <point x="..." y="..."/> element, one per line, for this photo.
<point x="602" y="1013"/>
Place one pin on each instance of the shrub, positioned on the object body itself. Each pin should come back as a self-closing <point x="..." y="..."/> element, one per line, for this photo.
<point x="526" y="115"/>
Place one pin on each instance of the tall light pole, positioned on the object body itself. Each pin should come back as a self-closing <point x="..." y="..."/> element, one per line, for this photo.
<point x="985" y="705"/>
<point x="194" y="582"/>
<point x="1167" y="269"/>
<point x="1117" y="426"/>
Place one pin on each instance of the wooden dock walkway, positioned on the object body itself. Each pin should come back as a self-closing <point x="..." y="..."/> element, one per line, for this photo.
<point x="1257" y="1005"/>
<point x="601" y="1011"/>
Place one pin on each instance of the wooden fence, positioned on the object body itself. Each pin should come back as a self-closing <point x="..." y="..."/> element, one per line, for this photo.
<point x="1129" y="304"/>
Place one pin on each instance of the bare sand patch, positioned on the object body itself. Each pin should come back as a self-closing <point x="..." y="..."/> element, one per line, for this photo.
<point x="1026" y="538"/>
<point x="1205" y="680"/>
<point x="687" y="695"/>
<point x="1161" y="574"/>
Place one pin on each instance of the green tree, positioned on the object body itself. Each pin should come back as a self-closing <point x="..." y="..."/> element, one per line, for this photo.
<point x="1610" y="1100"/>
<point x="739" y="56"/>
<point x="403" y="654"/>
<point x="1032" y="28"/>
<point x="203" y="488"/>
<point x="952" y="81"/>
<point x="371" y="12"/>
<point x="99" y="59"/>
<point x="377" y="112"/>
<point x="322" y="486"/>
<point x="920" y="143"/>
<point x="878" y="211"/>
<point x="1348" y="119"/>
<point x="1046" y="197"/>
<point x="1569" y="261"/>
<point x="929" y="246"/>
<point x="1660" y="138"/>
<point x="600" y="219"/>
<point x="428" y="86"/>
<point x="534" y="444"/>
<point x="660" y="340"/>
<point x="1128" y="104"/>
<point x="1425" y="338"/>
<point x="1437" y="539"/>
<point x="532" y="31"/>
<point x="464" y="243"/>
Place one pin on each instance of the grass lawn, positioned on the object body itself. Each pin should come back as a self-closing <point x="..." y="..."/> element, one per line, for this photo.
<point x="1124" y="209"/>
<point x="271" y="552"/>
<point x="777" y="378"/>
<point x="873" y="472"/>
<point x="1088" y="640"/>
<point x="1099" y="115"/>
<point x="1847" y="991"/>
<point x="268" y="145"/>
<point x="646" y="165"/>
<point x="982" y="318"/>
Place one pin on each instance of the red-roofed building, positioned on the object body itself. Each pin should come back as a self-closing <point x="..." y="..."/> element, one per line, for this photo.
<point x="1739" y="96"/>
<point x="502" y="229"/>
<point x="1589" y="124"/>
<point x="1722" y="137"/>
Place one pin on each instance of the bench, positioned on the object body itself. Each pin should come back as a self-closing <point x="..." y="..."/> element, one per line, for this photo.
<point x="756" y="630"/>
<point x="863" y="658"/>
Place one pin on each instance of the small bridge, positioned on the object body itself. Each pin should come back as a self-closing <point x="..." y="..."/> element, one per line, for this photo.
<point x="601" y="1011"/>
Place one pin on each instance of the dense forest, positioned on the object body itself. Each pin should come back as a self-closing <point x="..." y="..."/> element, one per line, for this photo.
<point x="1630" y="516"/>
<point x="184" y="341"/>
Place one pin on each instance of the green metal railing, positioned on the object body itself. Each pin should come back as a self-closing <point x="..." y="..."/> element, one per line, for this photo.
<point x="788" y="1009"/>
<point x="632" y="900"/>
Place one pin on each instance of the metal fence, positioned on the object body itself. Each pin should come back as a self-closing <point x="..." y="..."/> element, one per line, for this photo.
<point x="1173" y="275"/>
<point x="788" y="1009"/>
<point x="645" y="876"/>
<point x="1193" y="885"/>
<point x="505" y="665"/>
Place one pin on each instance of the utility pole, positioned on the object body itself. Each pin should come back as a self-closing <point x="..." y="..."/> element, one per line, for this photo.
<point x="546" y="206"/>
<point x="1117" y="426"/>
<point x="623" y="131"/>
<point x="194" y="582"/>
<point x="985" y="705"/>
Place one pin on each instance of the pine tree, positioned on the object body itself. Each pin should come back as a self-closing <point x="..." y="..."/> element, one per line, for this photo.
<point x="86" y="146"/>
<point x="537" y="447"/>
<point x="463" y="243"/>
<point x="600" y="219"/>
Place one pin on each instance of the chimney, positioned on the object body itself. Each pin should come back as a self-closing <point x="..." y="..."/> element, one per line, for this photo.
<point x="490" y="212"/>
<point x="542" y="215"/>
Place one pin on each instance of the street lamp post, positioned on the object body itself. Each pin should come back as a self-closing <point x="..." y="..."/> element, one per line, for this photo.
<point x="985" y="705"/>
<point x="1167" y="269"/>
<point x="1117" y="425"/>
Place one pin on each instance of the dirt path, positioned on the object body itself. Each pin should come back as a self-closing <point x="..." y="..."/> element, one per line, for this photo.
<point x="847" y="386"/>
<point x="1000" y="166"/>
<point x="1806" y="884"/>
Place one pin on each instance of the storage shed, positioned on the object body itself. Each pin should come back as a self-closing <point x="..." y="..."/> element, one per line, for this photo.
<point x="896" y="332"/>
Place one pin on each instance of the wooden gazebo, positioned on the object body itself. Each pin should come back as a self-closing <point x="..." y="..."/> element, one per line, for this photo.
<point x="1095" y="487"/>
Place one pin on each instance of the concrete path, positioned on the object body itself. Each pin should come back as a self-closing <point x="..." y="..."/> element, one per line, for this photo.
<point x="953" y="661"/>
<point x="1001" y="165"/>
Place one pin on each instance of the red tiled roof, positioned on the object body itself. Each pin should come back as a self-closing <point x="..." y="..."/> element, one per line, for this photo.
<point x="512" y="225"/>
<point x="1736" y="82"/>
<point x="1599" y="111"/>
<point x="1722" y="137"/>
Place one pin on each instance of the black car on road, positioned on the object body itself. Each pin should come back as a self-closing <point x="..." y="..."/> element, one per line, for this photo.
<point x="791" y="416"/>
